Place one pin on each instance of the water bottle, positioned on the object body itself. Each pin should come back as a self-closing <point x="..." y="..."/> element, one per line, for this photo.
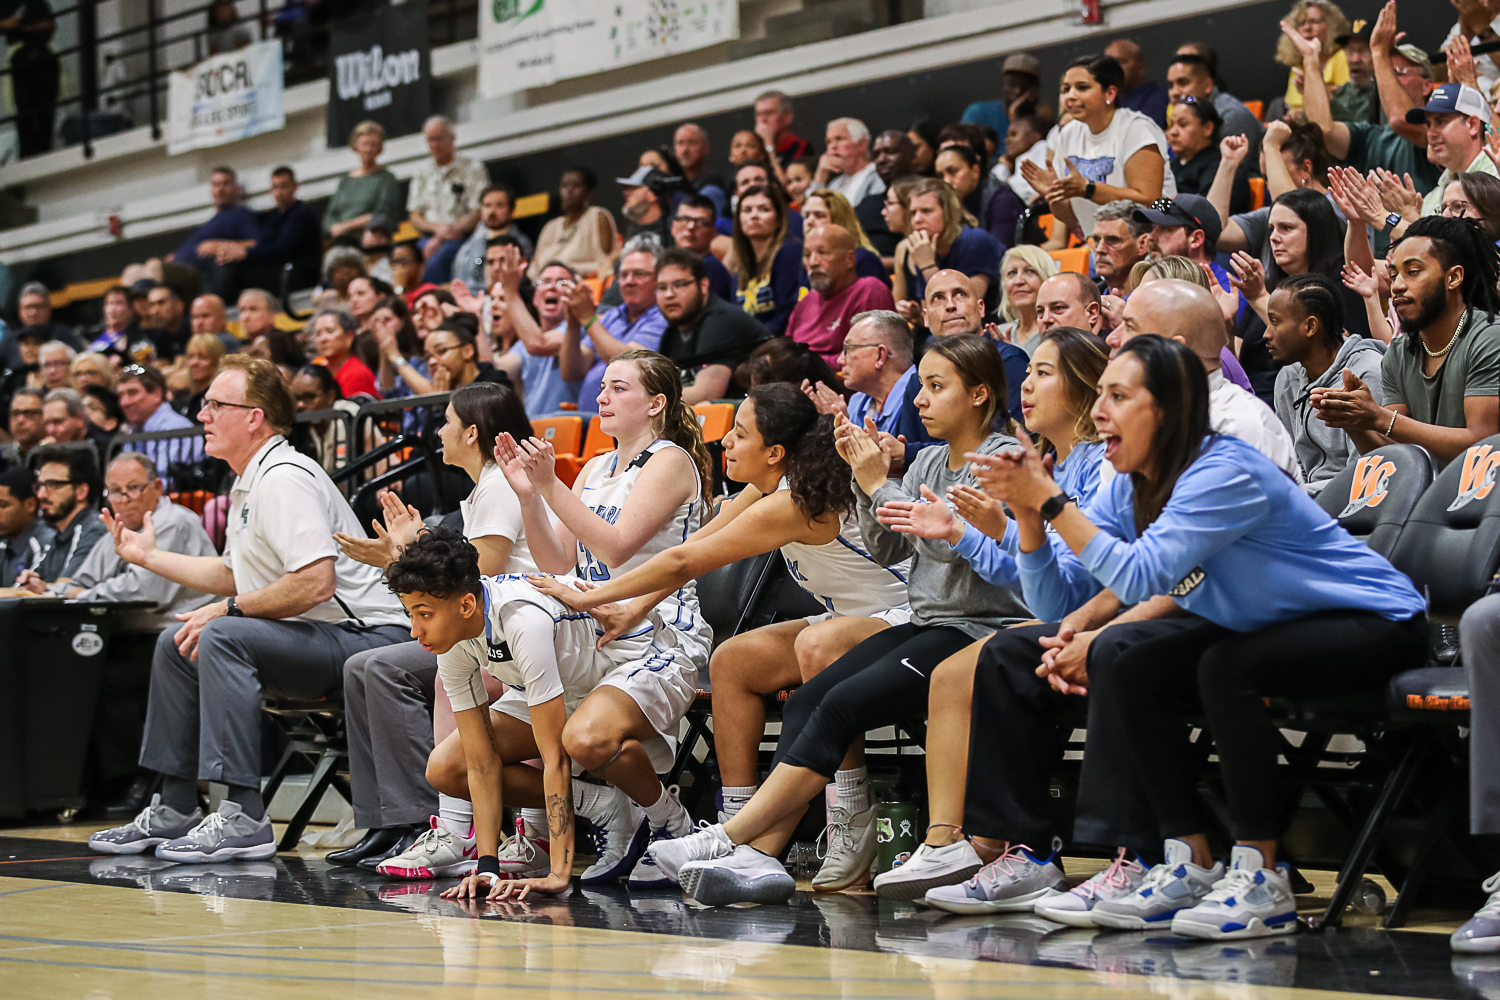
<point x="895" y="834"/>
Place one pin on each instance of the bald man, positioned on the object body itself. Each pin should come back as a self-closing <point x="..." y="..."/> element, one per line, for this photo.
<point x="821" y="320"/>
<point x="208" y="315"/>
<point x="1069" y="299"/>
<point x="1140" y="94"/>
<point x="690" y="146"/>
<point x="952" y="306"/>
<point x="1188" y="313"/>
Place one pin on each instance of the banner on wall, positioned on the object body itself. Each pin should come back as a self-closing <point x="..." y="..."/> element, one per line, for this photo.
<point x="532" y="43"/>
<point x="380" y="69"/>
<point x="227" y="97"/>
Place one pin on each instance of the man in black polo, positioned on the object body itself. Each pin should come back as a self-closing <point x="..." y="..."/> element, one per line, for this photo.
<point x="706" y="336"/>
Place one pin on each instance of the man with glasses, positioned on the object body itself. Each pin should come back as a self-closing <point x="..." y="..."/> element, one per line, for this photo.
<point x="57" y="365"/>
<point x="133" y="489"/>
<point x="593" y="339"/>
<point x="706" y="336"/>
<point x="67" y="421"/>
<point x="143" y="397"/>
<point x="693" y="228"/>
<point x="298" y="608"/>
<point x="533" y="358"/>
<point x="1116" y="243"/>
<point x="877" y="363"/>
<point x="67" y="488"/>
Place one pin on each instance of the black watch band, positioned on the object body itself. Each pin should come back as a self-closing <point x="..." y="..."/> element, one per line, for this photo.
<point x="1054" y="506"/>
<point x="1089" y="189"/>
<point x="232" y="609"/>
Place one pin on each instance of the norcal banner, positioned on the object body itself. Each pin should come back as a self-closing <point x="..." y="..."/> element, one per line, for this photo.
<point x="380" y="70"/>
<point x="531" y="43"/>
<point x="228" y="97"/>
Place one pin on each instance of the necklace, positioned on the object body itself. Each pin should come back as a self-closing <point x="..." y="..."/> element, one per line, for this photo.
<point x="1451" y="340"/>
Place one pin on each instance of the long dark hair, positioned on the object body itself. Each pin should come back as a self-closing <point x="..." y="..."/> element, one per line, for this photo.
<point x="1081" y="359"/>
<point x="749" y="266"/>
<point x="407" y="341"/>
<point x="977" y="361"/>
<point x="492" y="409"/>
<point x="1325" y="236"/>
<point x="1175" y="378"/>
<point x="817" y="477"/>
<point x="782" y="359"/>
<point x="660" y="376"/>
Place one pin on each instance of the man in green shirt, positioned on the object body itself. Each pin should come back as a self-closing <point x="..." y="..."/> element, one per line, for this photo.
<point x="1442" y="378"/>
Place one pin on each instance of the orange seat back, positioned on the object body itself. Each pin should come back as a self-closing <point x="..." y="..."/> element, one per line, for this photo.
<point x="1257" y="192"/>
<point x="715" y="419"/>
<point x="597" y="442"/>
<point x="1074" y="259"/>
<point x="564" y="433"/>
<point x="1256" y="108"/>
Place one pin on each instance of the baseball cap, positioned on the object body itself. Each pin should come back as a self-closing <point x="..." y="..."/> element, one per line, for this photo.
<point x="1191" y="210"/>
<point x="1359" y="29"/>
<point x="1418" y="56"/>
<point x="641" y="176"/>
<point x="1452" y="99"/>
<point x="1021" y="62"/>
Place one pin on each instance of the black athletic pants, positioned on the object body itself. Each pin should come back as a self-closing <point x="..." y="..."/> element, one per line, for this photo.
<point x="1322" y="655"/>
<point x="880" y="682"/>
<point x="1020" y="727"/>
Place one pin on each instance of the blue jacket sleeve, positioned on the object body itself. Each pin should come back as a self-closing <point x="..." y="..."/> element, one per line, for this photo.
<point x="294" y="238"/>
<point x="1053" y="580"/>
<point x="989" y="559"/>
<point x="1015" y="373"/>
<point x="909" y="423"/>
<point x="1213" y="504"/>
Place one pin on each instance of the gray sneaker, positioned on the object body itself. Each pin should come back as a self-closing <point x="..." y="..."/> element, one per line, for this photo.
<point x="1480" y="934"/>
<point x="155" y="825"/>
<point x="226" y="835"/>
<point x="850" y="852"/>
<point x="1013" y="882"/>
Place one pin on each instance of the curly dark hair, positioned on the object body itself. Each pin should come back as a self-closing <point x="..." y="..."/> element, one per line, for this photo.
<point x="441" y="562"/>
<point x="817" y="477"/>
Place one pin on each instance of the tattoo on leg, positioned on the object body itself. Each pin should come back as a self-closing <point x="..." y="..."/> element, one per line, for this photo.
<point x="560" y="823"/>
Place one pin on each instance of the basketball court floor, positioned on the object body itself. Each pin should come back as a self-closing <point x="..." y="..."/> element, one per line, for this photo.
<point x="74" y="924"/>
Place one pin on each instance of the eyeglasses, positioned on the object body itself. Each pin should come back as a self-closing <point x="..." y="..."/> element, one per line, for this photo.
<point x="1455" y="209"/>
<point x="692" y="223"/>
<point x="127" y="493"/>
<point x="48" y="485"/>
<point x="439" y="353"/>
<point x="675" y="286"/>
<point x="213" y="406"/>
<point x="854" y="347"/>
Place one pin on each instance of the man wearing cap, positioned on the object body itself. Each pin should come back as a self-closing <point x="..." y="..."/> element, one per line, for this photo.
<point x="1357" y="100"/>
<point x="1188" y="226"/>
<point x="643" y="210"/>
<point x="1020" y="88"/>
<point x="1457" y="117"/>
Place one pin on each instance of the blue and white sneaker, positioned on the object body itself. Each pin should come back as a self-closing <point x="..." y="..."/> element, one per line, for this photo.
<point x="1075" y="907"/>
<point x="647" y="874"/>
<point x="1012" y="883"/>
<point x="1251" y="901"/>
<point x="1167" y="888"/>
<point x="1480" y="934"/>
<point x="619" y="836"/>
<point x="225" y="835"/>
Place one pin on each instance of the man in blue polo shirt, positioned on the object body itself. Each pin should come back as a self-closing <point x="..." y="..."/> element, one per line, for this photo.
<point x="877" y="363"/>
<point x="592" y="342"/>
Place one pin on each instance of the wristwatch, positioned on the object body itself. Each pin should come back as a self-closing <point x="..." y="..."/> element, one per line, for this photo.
<point x="1088" y="190"/>
<point x="1391" y="222"/>
<point x="232" y="609"/>
<point x="1054" y="506"/>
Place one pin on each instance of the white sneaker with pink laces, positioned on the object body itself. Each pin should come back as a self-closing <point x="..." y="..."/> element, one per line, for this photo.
<point x="1012" y="883"/>
<point x="1076" y="906"/>
<point x="436" y="854"/>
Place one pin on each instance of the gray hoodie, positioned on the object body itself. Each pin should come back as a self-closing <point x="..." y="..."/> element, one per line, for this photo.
<point x="941" y="586"/>
<point x="1324" y="451"/>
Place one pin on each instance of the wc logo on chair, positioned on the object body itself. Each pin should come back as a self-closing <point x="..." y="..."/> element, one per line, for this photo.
<point x="1372" y="477"/>
<point x="1478" y="476"/>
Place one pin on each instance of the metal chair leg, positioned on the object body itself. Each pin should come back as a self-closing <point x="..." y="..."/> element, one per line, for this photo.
<point x="322" y="776"/>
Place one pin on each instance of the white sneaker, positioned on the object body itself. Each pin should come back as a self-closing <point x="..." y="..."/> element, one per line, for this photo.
<point x="1251" y="901"/>
<point x="1075" y="907"/>
<point x="225" y="835"/>
<point x="1177" y="884"/>
<point x="1012" y="883"/>
<point x="155" y="824"/>
<point x="647" y="874"/>
<point x="522" y="857"/>
<point x="927" y="868"/>
<point x="707" y="843"/>
<point x="436" y="854"/>
<point x="620" y="837"/>
<point x="744" y="876"/>
<point x="1479" y="935"/>
<point x="851" y="850"/>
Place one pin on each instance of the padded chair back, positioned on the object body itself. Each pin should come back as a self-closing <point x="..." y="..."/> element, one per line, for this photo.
<point x="729" y="596"/>
<point x="1375" y="494"/>
<point x="1451" y="542"/>
<point x="565" y="433"/>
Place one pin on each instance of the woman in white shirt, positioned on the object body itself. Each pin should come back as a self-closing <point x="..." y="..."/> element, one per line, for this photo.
<point x="1105" y="153"/>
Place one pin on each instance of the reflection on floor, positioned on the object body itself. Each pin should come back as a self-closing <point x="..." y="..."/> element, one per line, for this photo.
<point x="72" y="924"/>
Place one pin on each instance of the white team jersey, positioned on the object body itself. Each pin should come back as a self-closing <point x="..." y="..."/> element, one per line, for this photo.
<point x="574" y="667"/>
<point x="843" y="576"/>
<point x="604" y="493"/>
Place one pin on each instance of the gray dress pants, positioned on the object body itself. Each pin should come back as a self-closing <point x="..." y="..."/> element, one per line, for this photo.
<point x="203" y="717"/>
<point x="388" y="694"/>
<point x="1479" y="638"/>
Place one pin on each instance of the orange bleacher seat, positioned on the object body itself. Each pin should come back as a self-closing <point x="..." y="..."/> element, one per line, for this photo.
<point x="1073" y="259"/>
<point x="596" y="442"/>
<point x="564" y="433"/>
<point x="1256" y="108"/>
<point x="715" y="419"/>
<point x="1257" y="192"/>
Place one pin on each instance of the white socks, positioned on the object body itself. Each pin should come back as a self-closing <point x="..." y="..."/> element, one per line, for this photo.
<point x="735" y="797"/>
<point x="457" y="815"/>
<point x="854" y="789"/>
<point x="588" y="799"/>
<point x="666" y="813"/>
<point x="535" y="824"/>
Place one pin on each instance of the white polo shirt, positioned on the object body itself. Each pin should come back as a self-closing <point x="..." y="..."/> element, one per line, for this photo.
<point x="1241" y="414"/>
<point x="282" y="515"/>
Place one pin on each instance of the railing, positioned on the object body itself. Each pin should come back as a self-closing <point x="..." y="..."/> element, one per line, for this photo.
<point x="122" y="76"/>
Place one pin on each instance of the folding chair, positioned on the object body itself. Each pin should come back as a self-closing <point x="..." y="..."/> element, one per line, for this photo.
<point x="316" y="733"/>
